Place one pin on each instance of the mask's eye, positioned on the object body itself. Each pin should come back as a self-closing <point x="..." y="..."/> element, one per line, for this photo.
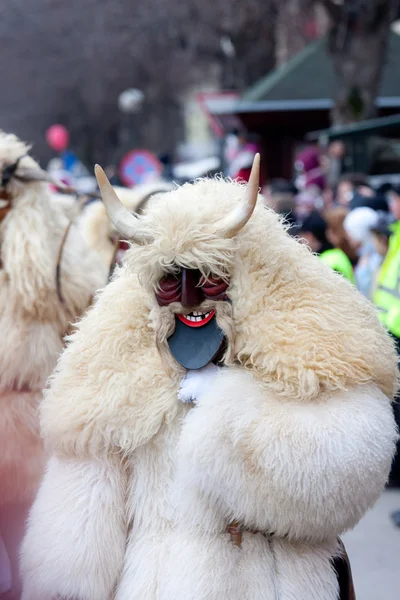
<point x="169" y="290"/>
<point x="214" y="288"/>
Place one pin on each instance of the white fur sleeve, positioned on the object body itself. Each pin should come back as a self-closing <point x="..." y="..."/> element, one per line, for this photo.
<point x="76" y="532"/>
<point x="303" y="470"/>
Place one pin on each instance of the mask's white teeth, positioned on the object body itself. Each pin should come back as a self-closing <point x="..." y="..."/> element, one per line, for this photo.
<point x="197" y="316"/>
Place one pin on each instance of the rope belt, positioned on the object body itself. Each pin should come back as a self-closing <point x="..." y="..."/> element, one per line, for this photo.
<point x="341" y="563"/>
<point x="236" y="531"/>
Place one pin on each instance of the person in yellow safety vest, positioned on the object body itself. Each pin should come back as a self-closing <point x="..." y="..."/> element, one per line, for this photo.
<point x="313" y="232"/>
<point x="338" y="261"/>
<point x="358" y="226"/>
<point x="387" y="300"/>
<point x="387" y="292"/>
<point x="380" y="235"/>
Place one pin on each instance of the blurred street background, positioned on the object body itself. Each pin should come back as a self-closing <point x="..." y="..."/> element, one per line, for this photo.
<point x="373" y="548"/>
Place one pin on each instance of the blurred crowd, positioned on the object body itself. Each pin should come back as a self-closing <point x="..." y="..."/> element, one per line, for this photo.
<point x="344" y="220"/>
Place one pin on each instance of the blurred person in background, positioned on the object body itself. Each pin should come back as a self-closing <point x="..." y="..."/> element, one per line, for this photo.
<point x="242" y="157"/>
<point x="349" y="184"/>
<point x="313" y="231"/>
<point x="112" y="174"/>
<point x="231" y="147"/>
<point x="279" y="195"/>
<point x="358" y="225"/>
<point x="168" y="166"/>
<point x="384" y="189"/>
<point x="354" y="191"/>
<point x="334" y="168"/>
<point x="387" y="300"/>
<point x="380" y="235"/>
<point x="387" y="294"/>
<point x="336" y="233"/>
<point x="310" y="181"/>
<point x="377" y="202"/>
<point x="308" y="201"/>
<point x="328" y="198"/>
<point x="309" y="169"/>
<point x="56" y="169"/>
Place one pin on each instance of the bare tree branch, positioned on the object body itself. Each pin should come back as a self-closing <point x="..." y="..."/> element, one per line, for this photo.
<point x="72" y="64"/>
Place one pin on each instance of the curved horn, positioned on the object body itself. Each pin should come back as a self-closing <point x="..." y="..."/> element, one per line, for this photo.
<point x="28" y="175"/>
<point x="124" y="221"/>
<point x="9" y="171"/>
<point x="233" y="222"/>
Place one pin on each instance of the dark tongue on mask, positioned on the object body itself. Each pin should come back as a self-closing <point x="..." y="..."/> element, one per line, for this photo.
<point x="195" y="347"/>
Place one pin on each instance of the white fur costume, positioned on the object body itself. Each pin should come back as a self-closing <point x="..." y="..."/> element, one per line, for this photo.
<point x="293" y="437"/>
<point x="32" y="324"/>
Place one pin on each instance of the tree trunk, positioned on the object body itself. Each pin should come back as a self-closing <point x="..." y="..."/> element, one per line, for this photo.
<point x="358" y="39"/>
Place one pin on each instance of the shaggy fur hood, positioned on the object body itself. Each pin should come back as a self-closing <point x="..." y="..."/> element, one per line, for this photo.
<point x="299" y="328"/>
<point x="33" y="320"/>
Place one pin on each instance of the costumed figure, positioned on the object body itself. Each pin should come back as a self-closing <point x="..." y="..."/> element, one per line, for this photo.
<point x="47" y="279"/>
<point x="219" y="417"/>
<point x="100" y="233"/>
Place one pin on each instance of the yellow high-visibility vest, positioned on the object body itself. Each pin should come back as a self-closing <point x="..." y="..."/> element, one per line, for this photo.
<point x="338" y="261"/>
<point x="387" y="294"/>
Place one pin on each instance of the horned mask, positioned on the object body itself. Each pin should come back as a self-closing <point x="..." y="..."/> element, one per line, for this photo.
<point x="10" y="171"/>
<point x="189" y="297"/>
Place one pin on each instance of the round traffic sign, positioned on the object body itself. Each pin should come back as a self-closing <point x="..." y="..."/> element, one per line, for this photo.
<point x="139" y="166"/>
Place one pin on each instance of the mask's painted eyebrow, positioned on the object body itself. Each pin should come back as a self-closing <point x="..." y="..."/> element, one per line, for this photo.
<point x="168" y="290"/>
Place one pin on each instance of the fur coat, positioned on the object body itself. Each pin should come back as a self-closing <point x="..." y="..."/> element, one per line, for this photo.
<point x="292" y="437"/>
<point x="33" y="321"/>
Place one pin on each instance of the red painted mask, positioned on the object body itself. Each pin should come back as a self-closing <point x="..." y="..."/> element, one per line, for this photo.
<point x="197" y="338"/>
<point x="190" y="288"/>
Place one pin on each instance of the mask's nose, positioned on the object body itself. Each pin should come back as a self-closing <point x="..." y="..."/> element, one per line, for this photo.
<point x="191" y="294"/>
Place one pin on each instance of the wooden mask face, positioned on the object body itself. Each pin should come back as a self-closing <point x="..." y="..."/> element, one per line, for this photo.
<point x="197" y="339"/>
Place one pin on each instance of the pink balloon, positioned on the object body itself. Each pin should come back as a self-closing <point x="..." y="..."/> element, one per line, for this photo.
<point x="57" y="137"/>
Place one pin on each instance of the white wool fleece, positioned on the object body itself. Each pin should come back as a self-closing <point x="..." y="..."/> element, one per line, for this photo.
<point x="306" y="471"/>
<point x="77" y="520"/>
